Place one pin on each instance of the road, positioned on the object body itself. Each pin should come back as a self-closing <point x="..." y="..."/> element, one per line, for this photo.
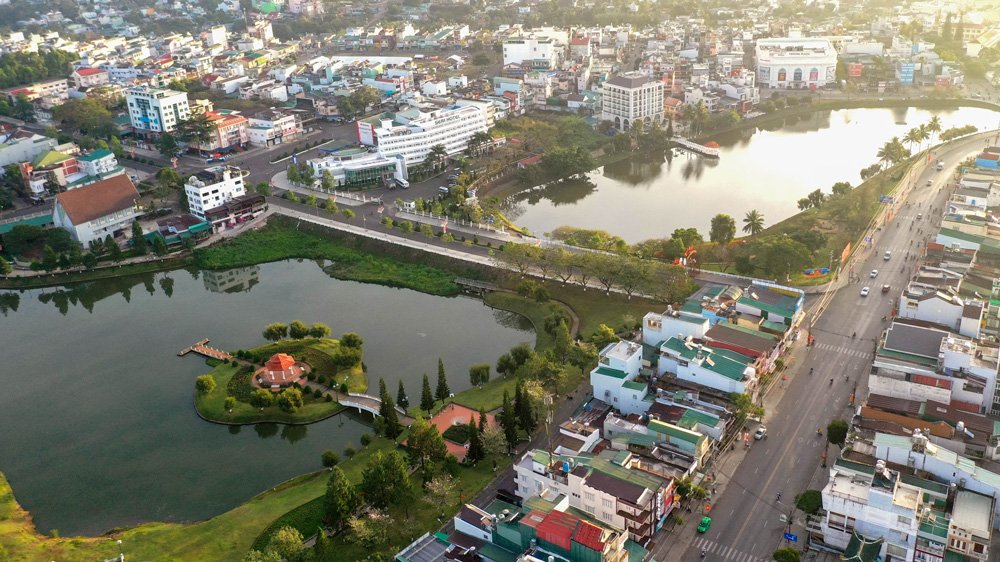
<point x="746" y="524"/>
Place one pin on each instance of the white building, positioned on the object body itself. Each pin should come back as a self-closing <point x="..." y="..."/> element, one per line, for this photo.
<point x="99" y="163"/>
<point x="85" y="77"/>
<point x="943" y="307"/>
<point x="268" y="127"/>
<point x="94" y="211"/>
<point x="413" y="132"/>
<point x="630" y="97"/>
<point x="360" y="167"/>
<point x="213" y="187"/>
<point x="711" y="367"/>
<point x="614" y="378"/>
<point x="657" y="328"/>
<point x="795" y="63"/>
<point x="155" y="110"/>
<point x="17" y="145"/>
<point x="539" y="53"/>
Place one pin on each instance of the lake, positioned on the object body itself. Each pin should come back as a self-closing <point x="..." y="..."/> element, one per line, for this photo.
<point x="100" y="427"/>
<point x="651" y="194"/>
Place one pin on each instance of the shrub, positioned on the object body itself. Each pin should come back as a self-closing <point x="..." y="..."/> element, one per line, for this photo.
<point x="311" y="376"/>
<point x="349" y="450"/>
<point x="343" y="388"/>
<point x="205" y="384"/>
<point x="318" y="393"/>
<point x="329" y="398"/>
<point x="366" y="439"/>
<point x="307" y="390"/>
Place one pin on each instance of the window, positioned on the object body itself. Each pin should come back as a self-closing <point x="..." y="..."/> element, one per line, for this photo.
<point x="895" y="551"/>
<point x="797" y="75"/>
<point x="589" y="509"/>
<point x="904" y="521"/>
<point x="607" y="516"/>
<point x="524" y="478"/>
<point x="589" y="496"/>
<point x="607" y="502"/>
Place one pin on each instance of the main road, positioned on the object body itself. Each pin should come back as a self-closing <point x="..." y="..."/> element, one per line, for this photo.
<point x="747" y="523"/>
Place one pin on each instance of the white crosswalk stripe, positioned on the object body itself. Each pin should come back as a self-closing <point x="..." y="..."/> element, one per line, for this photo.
<point x="723" y="552"/>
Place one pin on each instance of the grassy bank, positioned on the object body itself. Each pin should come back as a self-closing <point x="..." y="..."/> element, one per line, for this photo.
<point x="353" y="258"/>
<point x="529" y="308"/>
<point x="319" y="355"/>
<point x="211" y="405"/>
<point x="66" y="278"/>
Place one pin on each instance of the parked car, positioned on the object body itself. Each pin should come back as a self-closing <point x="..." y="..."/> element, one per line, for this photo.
<point x="761" y="432"/>
<point x="864" y="292"/>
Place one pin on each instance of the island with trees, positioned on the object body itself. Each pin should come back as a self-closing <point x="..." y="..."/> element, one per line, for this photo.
<point x="243" y="390"/>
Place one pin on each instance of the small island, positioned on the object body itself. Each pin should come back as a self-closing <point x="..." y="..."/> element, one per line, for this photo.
<point x="297" y="380"/>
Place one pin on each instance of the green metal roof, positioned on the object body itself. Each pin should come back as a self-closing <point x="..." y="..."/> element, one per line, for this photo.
<point x="48" y="158"/>
<point x="636" y="439"/>
<point x="621" y="457"/>
<point x="776" y="326"/>
<point x="632" y="385"/>
<point x="541" y="457"/>
<point x="692" y="417"/>
<point x="745" y="330"/>
<point x="610" y="372"/>
<point x="692" y="306"/>
<point x="675" y="431"/>
<point x="862" y="549"/>
<point x="959" y="235"/>
<point x="927" y="361"/>
<point x="786" y="312"/>
<point x="724" y="365"/>
<point x="43" y="220"/>
<point x="95" y="155"/>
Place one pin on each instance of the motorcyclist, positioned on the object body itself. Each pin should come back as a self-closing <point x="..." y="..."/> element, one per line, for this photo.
<point x="831" y="382"/>
<point x="810" y="370"/>
<point x="854" y="335"/>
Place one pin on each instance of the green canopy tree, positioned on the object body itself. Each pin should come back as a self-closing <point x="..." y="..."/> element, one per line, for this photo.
<point x="425" y="443"/>
<point x="275" y="332"/>
<point x="341" y="499"/>
<point x="722" y="229"/>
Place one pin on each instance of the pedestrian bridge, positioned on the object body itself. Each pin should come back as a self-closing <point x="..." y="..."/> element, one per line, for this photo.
<point x="370" y="404"/>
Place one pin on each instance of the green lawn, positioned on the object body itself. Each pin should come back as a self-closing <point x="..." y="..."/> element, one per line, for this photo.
<point x="534" y="311"/>
<point x="319" y="355"/>
<point x="594" y="307"/>
<point x="211" y="406"/>
<point x="281" y="240"/>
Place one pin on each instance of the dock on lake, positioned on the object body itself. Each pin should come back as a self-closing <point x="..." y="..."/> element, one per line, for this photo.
<point x="202" y="349"/>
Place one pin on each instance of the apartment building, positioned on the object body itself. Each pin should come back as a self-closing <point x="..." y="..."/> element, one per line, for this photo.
<point x="51" y="92"/>
<point x="537" y="53"/>
<point x="632" y="97"/>
<point x="212" y="187"/>
<point x="412" y="133"/>
<point x="156" y="111"/>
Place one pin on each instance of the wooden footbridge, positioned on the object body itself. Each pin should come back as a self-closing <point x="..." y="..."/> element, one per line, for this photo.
<point x="202" y="349"/>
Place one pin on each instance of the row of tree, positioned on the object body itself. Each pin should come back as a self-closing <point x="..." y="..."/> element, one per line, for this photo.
<point x="298" y="330"/>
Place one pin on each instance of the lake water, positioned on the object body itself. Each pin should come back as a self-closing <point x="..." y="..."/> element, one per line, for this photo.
<point x="97" y="409"/>
<point x="651" y="194"/>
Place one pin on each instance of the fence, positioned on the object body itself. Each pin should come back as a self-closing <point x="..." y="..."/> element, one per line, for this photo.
<point x="486" y="227"/>
<point x="25" y="217"/>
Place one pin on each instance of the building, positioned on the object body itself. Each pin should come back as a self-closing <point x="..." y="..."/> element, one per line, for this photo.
<point x="95" y="211"/>
<point x="236" y="211"/>
<point x="18" y="145"/>
<point x="357" y="167"/>
<point x="99" y="163"/>
<point x="615" y="378"/>
<point x="213" y="187"/>
<point x="630" y="97"/>
<point x="157" y="111"/>
<point x="51" y="92"/>
<point x="231" y="131"/>
<point x="268" y="127"/>
<point x="720" y="369"/>
<point x="795" y="63"/>
<point x="85" y="77"/>
<point x="902" y="517"/>
<point x="281" y="371"/>
<point x="536" y="53"/>
<point x="413" y="132"/>
<point x="50" y="166"/>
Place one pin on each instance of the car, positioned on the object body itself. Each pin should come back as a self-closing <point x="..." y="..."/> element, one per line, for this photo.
<point x="706" y="522"/>
<point x="930" y="183"/>
<point x="920" y="216"/>
<point x="761" y="432"/>
<point x="864" y="292"/>
<point x="874" y="273"/>
<point x="888" y="255"/>
<point x="885" y="288"/>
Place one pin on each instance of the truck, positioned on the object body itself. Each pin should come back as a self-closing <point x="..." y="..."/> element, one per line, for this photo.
<point x="940" y="165"/>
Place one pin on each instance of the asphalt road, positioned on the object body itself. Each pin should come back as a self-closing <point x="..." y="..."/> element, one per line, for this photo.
<point x="746" y="524"/>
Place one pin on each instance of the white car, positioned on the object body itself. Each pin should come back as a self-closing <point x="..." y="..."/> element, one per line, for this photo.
<point x="888" y="255"/>
<point x="761" y="432"/>
<point x="864" y="292"/>
<point x="874" y="273"/>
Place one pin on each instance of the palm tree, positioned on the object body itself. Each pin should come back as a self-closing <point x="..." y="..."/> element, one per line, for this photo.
<point x="912" y="137"/>
<point x="637" y="130"/>
<point x="479" y="140"/>
<point x="437" y="155"/>
<point x="923" y="133"/>
<point x="753" y="222"/>
<point x="884" y="154"/>
<point x="934" y="125"/>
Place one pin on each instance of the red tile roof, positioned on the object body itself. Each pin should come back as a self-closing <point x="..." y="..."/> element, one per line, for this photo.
<point x="87" y="71"/>
<point x="98" y="199"/>
<point x="589" y="535"/>
<point x="279" y="362"/>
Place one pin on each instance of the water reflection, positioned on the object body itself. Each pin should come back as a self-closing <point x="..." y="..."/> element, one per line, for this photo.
<point x="294" y="433"/>
<point x="238" y="280"/>
<point x="265" y="430"/>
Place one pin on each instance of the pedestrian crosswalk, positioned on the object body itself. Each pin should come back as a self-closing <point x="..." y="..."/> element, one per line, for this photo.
<point x="717" y="551"/>
<point x="844" y="350"/>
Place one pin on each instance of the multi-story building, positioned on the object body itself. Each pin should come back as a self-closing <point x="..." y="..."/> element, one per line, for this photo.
<point x="230" y="131"/>
<point x="213" y="187"/>
<point x="614" y="378"/>
<point x="18" y="145"/>
<point x="156" y="111"/>
<point x="86" y="77"/>
<point x="632" y="97"/>
<point x="795" y="63"/>
<point x="268" y="127"/>
<point x="51" y="91"/>
<point x="413" y="132"/>
<point x="624" y="498"/>
<point x="357" y="167"/>
<point x="537" y="53"/>
<point x="95" y="211"/>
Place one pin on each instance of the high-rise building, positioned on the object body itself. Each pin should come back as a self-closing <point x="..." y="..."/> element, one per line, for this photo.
<point x="630" y="97"/>
<point x="412" y="133"/>
<point x="155" y="110"/>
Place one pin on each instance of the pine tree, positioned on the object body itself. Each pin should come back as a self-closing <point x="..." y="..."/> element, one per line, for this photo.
<point x="476" y="451"/>
<point x="482" y="420"/>
<point x="114" y="250"/>
<point x="522" y="407"/>
<point x="322" y="550"/>
<point x="401" y="398"/>
<point x="426" y="398"/>
<point x="442" y="392"/>
<point x="508" y="421"/>
<point x="387" y="409"/>
<point x="670" y="128"/>
<point x="138" y="240"/>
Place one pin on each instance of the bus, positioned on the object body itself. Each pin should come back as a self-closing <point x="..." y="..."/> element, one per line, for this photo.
<point x="401" y="183"/>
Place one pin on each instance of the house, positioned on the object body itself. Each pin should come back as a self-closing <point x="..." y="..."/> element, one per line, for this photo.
<point x="615" y="378"/>
<point x="85" y="77"/>
<point x="720" y="369"/>
<point x="94" y="211"/>
<point x="281" y="371"/>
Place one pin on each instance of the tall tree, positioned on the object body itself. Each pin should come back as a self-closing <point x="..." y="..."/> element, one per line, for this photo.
<point x="275" y="332"/>
<point x="138" y="239"/>
<point x="722" y="229"/>
<point x="387" y="409"/>
<point x="523" y="409"/>
<point x="298" y="330"/>
<point x="508" y="421"/>
<point x="753" y="222"/>
<point x="341" y="499"/>
<point x="384" y="480"/>
<point x="319" y="330"/>
<point x="167" y="145"/>
<point x="442" y="391"/>
<point x="425" y="443"/>
<point x="426" y="397"/>
<point x="114" y="250"/>
<point x="479" y="374"/>
<point x="934" y="125"/>
<point x="475" y="452"/>
<point x="401" y="399"/>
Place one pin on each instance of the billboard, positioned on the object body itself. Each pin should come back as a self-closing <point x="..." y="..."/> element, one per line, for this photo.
<point x="906" y="70"/>
<point x="854" y="69"/>
<point x="845" y="253"/>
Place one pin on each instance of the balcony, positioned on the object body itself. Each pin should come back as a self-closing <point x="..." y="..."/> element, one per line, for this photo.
<point x="641" y="517"/>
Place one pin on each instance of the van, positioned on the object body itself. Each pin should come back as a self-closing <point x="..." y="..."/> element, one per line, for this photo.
<point x="940" y="165"/>
<point x="444" y="190"/>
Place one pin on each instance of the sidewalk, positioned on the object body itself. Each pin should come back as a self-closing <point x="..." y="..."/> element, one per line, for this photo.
<point x="343" y="198"/>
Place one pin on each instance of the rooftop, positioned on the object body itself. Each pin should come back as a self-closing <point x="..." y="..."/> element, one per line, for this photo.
<point x="98" y="199"/>
<point x="972" y="512"/>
